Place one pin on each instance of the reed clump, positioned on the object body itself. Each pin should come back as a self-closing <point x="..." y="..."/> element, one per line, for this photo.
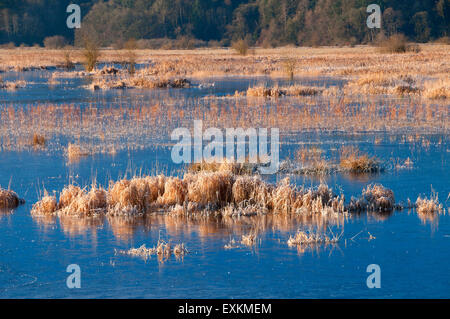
<point x="429" y="206"/>
<point x="354" y="161"/>
<point x="245" y="168"/>
<point x="38" y="140"/>
<point x="219" y="193"/>
<point x="294" y="90"/>
<point x="9" y="199"/>
<point x="75" y="151"/>
<point x="249" y="239"/>
<point x="311" y="237"/>
<point x="48" y="205"/>
<point x="374" y="198"/>
<point x="308" y="161"/>
<point x="163" y="250"/>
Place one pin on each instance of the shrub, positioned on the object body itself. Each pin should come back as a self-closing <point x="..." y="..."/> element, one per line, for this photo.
<point x="68" y="64"/>
<point x="129" y="60"/>
<point x="396" y="43"/>
<point x="289" y="67"/>
<point x="91" y="54"/>
<point x="241" y="47"/>
<point x="54" y="42"/>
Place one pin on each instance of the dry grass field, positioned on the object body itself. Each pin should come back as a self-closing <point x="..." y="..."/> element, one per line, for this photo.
<point x="432" y="60"/>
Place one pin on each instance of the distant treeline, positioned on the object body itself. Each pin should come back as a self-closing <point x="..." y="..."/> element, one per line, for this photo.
<point x="219" y="22"/>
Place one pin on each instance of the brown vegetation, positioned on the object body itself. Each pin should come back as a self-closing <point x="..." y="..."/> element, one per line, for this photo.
<point x="219" y="192"/>
<point x="375" y="198"/>
<point x="9" y="199"/>
<point x="353" y="161"/>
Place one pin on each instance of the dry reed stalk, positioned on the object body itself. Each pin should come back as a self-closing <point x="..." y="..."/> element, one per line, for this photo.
<point x="249" y="239"/>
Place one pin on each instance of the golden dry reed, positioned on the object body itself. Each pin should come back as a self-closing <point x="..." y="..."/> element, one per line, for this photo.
<point x="205" y="193"/>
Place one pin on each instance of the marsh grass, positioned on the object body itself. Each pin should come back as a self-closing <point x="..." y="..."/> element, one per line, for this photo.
<point x="354" y="161"/>
<point x="204" y="193"/>
<point x="313" y="238"/>
<point x="75" y="151"/>
<point x="163" y="250"/>
<point x="245" y="168"/>
<point x="38" y="140"/>
<point x="374" y="198"/>
<point x="294" y="90"/>
<point x="438" y="89"/>
<point x="431" y="206"/>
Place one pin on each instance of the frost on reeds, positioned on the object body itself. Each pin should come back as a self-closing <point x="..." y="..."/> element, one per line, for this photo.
<point x="313" y="239"/>
<point x="135" y="195"/>
<point x="75" y="151"/>
<point x="374" y="198"/>
<point x="73" y="201"/>
<point x="294" y="90"/>
<point x="204" y="193"/>
<point x="354" y="161"/>
<point x="163" y="250"/>
<point x="248" y="240"/>
<point x="425" y="206"/>
<point x="9" y="199"/>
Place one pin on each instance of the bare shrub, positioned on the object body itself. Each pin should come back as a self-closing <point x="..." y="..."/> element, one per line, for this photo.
<point x="91" y="54"/>
<point x="241" y="46"/>
<point x="396" y="43"/>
